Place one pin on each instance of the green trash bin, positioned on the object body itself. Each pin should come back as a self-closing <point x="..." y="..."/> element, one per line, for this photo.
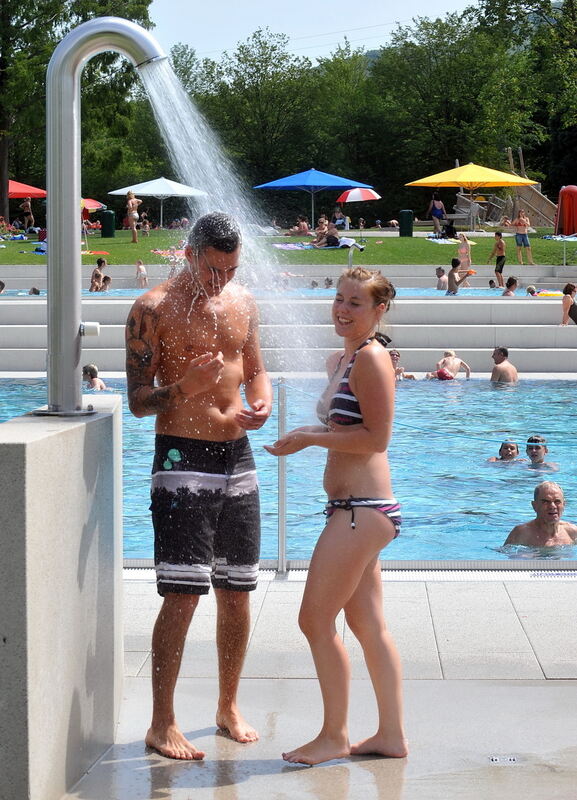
<point x="406" y="222"/>
<point x="107" y="220"/>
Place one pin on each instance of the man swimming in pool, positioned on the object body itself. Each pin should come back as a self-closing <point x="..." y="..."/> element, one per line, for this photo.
<point x="547" y="529"/>
<point x="537" y="450"/>
<point x="190" y="344"/>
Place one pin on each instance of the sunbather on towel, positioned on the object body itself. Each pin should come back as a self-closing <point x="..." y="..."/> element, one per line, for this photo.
<point x="332" y="239"/>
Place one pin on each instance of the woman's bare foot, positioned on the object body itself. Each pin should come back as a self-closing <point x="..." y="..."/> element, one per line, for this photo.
<point x="379" y="744"/>
<point x="323" y="748"/>
<point x="234" y="724"/>
<point x="172" y="743"/>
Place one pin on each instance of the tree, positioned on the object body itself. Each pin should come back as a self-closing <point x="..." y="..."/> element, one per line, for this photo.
<point x="453" y="92"/>
<point x="29" y="33"/>
<point x="258" y="99"/>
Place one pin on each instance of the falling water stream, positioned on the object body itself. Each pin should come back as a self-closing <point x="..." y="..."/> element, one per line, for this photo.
<point x="199" y="160"/>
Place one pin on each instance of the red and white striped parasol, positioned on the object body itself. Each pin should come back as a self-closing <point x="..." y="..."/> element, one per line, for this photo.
<point x="358" y="196"/>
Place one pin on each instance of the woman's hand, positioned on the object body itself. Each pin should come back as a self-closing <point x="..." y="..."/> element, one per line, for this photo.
<point x="292" y="442"/>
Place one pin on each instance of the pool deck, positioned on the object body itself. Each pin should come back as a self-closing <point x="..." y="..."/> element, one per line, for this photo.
<point x="490" y="684"/>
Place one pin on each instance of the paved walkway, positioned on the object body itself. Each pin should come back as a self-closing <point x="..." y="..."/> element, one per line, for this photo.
<point x="489" y="666"/>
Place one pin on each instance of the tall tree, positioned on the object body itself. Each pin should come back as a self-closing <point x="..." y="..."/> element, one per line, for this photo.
<point x="259" y="99"/>
<point x="29" y="33"/>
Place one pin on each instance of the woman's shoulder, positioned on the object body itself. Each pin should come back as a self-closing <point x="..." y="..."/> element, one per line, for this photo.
<point x="373" y="354"/>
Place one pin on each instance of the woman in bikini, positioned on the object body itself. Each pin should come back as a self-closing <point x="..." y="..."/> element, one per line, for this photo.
<point x="356" y="414"/>
<point x="132" y="204"/>
<point x="464" y="251"/>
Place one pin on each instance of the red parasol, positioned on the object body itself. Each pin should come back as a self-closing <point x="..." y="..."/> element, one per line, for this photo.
<point x="16" y="189"/>
<point x="358" y="196"/>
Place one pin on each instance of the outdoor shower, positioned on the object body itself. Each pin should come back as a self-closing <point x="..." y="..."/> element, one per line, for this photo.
<point x="63" y="147"/>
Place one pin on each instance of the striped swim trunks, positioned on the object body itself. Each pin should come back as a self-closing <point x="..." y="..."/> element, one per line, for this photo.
<point x="205" y="514"/>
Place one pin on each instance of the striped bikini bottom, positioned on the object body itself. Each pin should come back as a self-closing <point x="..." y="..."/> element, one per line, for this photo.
<point x="390" y="508"/>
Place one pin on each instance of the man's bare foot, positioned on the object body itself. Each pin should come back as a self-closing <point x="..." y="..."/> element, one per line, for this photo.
<point x="320" y="749"/>
<point x="171" y="742"/>
<point x="389" y="746"/>
<point x="234" y="724"/>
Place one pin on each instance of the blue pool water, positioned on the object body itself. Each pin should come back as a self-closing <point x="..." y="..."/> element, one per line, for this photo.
<point x="456" y="506"/>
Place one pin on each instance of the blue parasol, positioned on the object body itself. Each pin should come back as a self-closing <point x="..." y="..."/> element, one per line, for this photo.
<point x="313" y="181"/>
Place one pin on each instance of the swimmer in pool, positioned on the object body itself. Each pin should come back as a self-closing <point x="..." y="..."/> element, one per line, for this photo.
<point x="508" y="453"/>
<point x="400" y="373"/>
<point x="448" y="367"/>
<point x="547" y="529"/>
<point x="90" y="375"/>
<point x="537" y="450"/>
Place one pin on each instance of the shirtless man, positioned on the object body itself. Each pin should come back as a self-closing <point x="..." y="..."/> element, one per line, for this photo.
<point x="453" y="279"/>
<point x="522" y="223"/>
<point x="442" y="280"/>
<point x="499" y="251"/>
<point x="190" y="344"/>
<point x="503" y="371"/>
<point x="547" y="529"/>
<point x="448" y="367"/>
<point x="537" y="450"/>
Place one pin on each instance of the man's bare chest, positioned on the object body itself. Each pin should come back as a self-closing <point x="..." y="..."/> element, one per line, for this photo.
<point x="211" y="329"/>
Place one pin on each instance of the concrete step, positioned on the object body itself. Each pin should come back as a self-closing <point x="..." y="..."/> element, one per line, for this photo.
<point x="324" y="336"/>
<point x="437" y="310"/>
<point x="558" y="360"/>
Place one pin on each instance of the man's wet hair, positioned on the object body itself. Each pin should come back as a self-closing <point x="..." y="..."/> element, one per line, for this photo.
<point x="455" y="262"/>
<point x="536" y="439"/>
<point x="217" y="230"/>
<point x="91" y="370"/>
<point x="503" y="350"/>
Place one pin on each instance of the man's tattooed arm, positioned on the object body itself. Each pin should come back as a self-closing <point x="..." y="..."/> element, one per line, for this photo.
<point x="142" y="353"/>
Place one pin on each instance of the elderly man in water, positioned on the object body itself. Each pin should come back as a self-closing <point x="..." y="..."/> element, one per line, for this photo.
<point x="547" y="529"/>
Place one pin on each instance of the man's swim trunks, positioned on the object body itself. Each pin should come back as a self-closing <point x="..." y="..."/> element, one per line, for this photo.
<point x="499" y="263"/>
<point x="206" y="515"/>
<point x="445" y="375"/>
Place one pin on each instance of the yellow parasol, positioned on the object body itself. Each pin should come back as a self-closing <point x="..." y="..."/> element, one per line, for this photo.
<point x="472" y="177"/>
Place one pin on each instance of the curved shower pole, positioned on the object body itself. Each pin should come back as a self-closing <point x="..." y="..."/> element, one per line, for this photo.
<point x="63" y="146"/>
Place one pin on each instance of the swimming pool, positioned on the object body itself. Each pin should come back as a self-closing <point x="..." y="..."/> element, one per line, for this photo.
<point x="455" y="505"/>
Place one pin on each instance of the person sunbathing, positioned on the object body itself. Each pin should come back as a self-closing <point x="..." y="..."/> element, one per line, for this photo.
<point x="332" y="239"/>
<point x="301" y="228"/>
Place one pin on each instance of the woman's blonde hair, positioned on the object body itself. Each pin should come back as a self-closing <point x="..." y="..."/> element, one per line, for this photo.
<point x="381" y="289"/>
<point x="129" y="195"/>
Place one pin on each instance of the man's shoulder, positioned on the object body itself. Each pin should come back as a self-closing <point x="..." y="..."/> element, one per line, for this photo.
<point x="570" y="528"/>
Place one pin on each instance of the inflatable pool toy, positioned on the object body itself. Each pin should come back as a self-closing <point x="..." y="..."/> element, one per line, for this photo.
<point x="549" y="294"/>
<point x="471" y="272"/>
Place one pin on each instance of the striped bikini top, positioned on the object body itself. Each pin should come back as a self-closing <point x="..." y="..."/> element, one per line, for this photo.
<point x="344" y="408"/>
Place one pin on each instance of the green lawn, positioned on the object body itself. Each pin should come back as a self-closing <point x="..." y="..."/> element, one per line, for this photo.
<point x="378" y="251"/>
